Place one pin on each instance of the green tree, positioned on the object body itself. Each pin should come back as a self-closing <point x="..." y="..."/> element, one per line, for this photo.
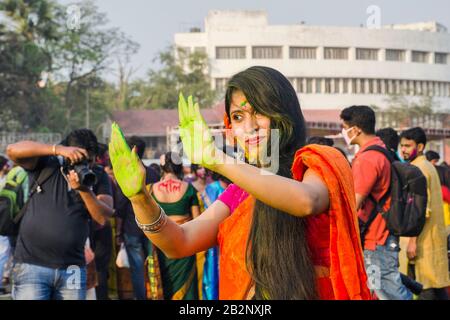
<point x="26" y="26"/>
<point x="180" y="71"/>
<point x="404" y="112"/>
<point x="35" y="40"/>
<point x="84" y="54"/>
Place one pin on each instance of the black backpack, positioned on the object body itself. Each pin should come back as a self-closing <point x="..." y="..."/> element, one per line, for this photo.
<point x="408" y="192"/>
<point x="12" y="206"/>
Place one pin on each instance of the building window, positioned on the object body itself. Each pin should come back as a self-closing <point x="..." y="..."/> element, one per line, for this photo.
<point x="380" y="85"/>
<point x="267" y="53"/>
<point x="424" y="88"/>
<point x="420" y="56"/>
<point x="345" y="83"/>
<point x="418" y="88"/>
<point x="366" y="54"/>
<point x="336" y="53"/>
<point x="335" y="85"/>
<point x="372" y="84"/>
<point x="302" y="53"/>
<point x="327" y="85"/>
<point x="366" y="85"/>
<point x="441" y="89"/>
<point x="440" y="58"/>
<point x="398" y="87"/>
<point x="221" y="84"/>
<point x="300" y="85"/>
<point x="390" y="87"/>
<point x="384" y="86"/>
<point x="359" y="86"/>
<point x="309" y="85"/>
<point x="376" y="86"/>
<point x="411" y="88"/>
<point x="230" y="52"/>
<point x="353" y="86"/>
<point x="436" y="88"/>
<point x="431" y="88"/>
<point x="395" y="55"/>
<point x="318" y="86"/>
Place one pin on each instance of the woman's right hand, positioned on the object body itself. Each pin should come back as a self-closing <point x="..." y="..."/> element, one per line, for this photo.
<point x="128" y="168"/>
<point x="198" y="143"/>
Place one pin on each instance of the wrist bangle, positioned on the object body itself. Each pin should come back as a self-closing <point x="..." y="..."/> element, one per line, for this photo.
<point x="54" y="149"/>
<point x="156" y="226"/>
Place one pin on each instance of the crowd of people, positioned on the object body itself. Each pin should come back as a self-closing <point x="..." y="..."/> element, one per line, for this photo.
<point x="227" y="227"/>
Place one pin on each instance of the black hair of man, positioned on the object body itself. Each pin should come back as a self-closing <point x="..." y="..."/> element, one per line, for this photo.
<point x="432" y="155"/>
<point x="82" y="138"/>
<point x="361" y="116"/>
<point x="139" y="143"/>
<point x="416" y="134"/>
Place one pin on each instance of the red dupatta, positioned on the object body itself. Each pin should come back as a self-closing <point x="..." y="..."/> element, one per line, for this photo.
<point x="347" y="279"/>
<point x="347" y="272"/>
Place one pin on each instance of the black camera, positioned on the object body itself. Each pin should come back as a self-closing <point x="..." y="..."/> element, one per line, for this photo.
<point x="87" y="177"/>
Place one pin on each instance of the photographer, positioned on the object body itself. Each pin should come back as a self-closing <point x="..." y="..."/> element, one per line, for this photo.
<point x="49" y="256"/>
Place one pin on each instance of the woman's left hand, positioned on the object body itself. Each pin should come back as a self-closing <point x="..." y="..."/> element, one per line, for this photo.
<point x="128" y="168"/>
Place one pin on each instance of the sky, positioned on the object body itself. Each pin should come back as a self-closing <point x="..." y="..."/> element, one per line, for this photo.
<point x="153" y="23"/>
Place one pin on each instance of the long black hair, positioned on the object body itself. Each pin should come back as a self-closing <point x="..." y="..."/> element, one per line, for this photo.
<point x="172" y="165"/>
<point x="278" y="256"/>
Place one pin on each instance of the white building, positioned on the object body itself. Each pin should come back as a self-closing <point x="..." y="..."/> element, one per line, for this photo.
<point x="330" y="67"/>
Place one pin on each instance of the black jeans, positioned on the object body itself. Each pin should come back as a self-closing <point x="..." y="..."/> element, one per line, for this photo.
<point x="434" y="294"/>
<point x="103" y="243"/>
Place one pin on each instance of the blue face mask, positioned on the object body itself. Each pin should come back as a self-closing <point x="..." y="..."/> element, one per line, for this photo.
<point x="399" y="156"/>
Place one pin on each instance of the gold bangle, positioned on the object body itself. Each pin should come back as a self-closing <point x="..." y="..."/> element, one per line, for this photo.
<point x="54" y="149"/>
<point x="155" y="226"/>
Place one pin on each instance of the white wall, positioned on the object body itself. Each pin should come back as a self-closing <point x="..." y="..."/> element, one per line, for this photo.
<point x="242" y="28"/>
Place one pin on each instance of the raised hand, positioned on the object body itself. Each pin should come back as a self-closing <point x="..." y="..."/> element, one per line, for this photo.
<point x="198" y="143"/>
<point x="73" y="154"/>
<point x="128" y="168"/>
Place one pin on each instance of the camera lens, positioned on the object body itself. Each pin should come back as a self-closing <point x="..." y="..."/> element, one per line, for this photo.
<point x="87" y="177"/>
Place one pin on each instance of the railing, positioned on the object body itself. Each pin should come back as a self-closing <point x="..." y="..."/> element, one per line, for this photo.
<point x="7" y="138"/>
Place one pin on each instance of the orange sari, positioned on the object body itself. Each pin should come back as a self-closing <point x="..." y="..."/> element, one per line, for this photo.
<point x="333" y="236"/>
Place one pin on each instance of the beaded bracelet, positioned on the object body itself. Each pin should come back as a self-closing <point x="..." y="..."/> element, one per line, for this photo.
<point x="156" y="226"/>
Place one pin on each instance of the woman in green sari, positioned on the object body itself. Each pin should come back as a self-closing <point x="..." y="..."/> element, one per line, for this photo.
<point x="173" y="279"/>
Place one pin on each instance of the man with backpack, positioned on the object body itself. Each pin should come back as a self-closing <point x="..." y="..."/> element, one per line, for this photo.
<point x="5" y="247"/>
<point x="426" y="254"/>
<point x="372" y="178"/>
<point x="67" y="191"/>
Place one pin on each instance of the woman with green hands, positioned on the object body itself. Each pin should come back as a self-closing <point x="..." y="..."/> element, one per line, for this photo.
<point x="289" y="235"/>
